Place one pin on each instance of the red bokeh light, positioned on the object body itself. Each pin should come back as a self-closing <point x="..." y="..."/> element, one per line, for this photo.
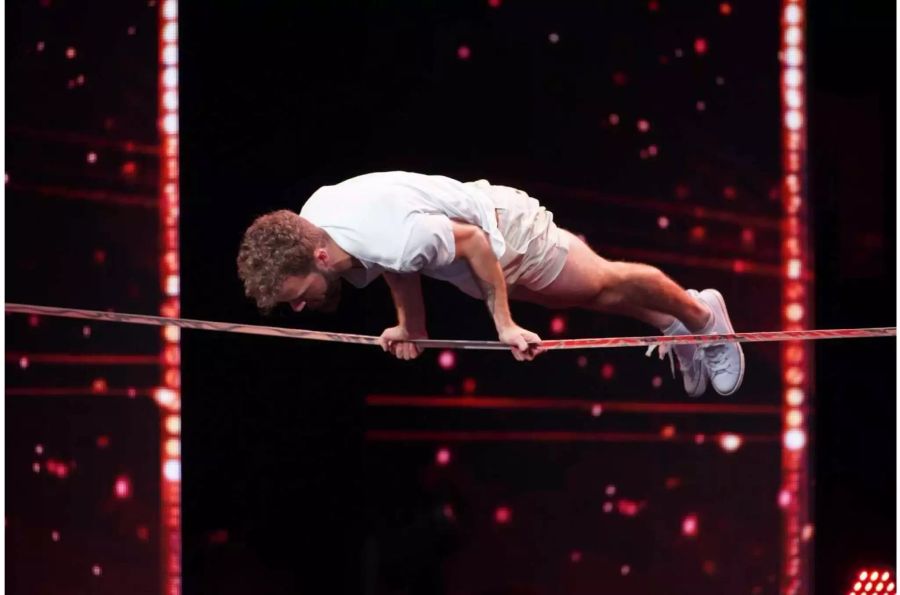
<point x="129" y="169"/>
<point x="701" y="46"/>
<point x="614" y="119"/>
<point x="558" y="325"/>
<point x="447" y="360"/>
<point x="575" y="556"/>
<point x="448" y="512"/>
<point x="643" y="125"/>
<point x="657" y="381"/>
<point x="668" y="431"/>
<point x="607" y="371"/>
<point x="102" y="441"/>
<point x="469" y="386"/>
<point x="463" y="52"/>
<point x="143" y="533"/>
<point x="122" y="488"/>
<point x="689" y="525"/>
<point x="99" y="385"/>
<point x="502" y="515"/>
<point x="729" y="193"/>
<point x="494" y="3"/>
<point x="698" y="233"/>
<point x="725" y="8"/>
<point x="443" y="456"/>
<point x="653" y="5"/>
<point x="682" y="191"/>
<point x="620" y="79"/>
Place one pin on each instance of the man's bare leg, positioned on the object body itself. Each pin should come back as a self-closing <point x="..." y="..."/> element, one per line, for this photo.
<point x="630" y="289"/>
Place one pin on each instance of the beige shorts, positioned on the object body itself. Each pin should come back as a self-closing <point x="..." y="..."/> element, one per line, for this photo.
<point x="536" y="249"/>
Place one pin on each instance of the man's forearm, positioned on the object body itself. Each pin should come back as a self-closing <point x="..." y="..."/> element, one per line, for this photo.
<point x="489" y="276"/>
<point x="406" y="290"/>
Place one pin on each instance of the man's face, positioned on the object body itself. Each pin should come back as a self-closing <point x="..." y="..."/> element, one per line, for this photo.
<point x="317" y="290"/>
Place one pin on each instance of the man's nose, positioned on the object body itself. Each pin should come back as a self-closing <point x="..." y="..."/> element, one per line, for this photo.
<point x="298" y="305"/>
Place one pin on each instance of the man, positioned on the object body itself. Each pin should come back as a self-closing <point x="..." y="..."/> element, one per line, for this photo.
<point x="493" y="242"/>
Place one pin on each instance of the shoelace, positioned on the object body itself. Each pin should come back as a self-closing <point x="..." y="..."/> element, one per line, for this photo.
<point x="665" y="350"/>
<point x="716" y="358"/>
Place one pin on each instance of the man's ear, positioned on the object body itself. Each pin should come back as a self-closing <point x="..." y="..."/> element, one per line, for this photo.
<point x="321" y="256"/>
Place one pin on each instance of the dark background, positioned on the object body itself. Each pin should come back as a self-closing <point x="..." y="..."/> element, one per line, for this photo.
<point x="286" y="487"/>
<point x="281" y="99"/>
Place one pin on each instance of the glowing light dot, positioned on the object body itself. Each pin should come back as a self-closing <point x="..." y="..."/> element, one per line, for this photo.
<point x="170" y="9"/>
<point x="463" y="52"/>
<point x="39" y="449"/>
<point x="582" y="361"/>
<point x="607" y="371"/>
<point x="679" y="52"/>
<point x="447" y="360"/>
<point x="122" y="487"/>
<point x="879" y="587"/>
<point x="172" y="470"/>
<point x="793" y="99"/>
<point x="701" y="106"/>
<point x="885" y="576"/>
<point x="794" y="439"/>
<point x="643" y="125"/>
<point x="663" y="222"/>
<point x="558" y="325"/>
<point x="784" y="500"/>
<point x="699" y="439"/>
<point x="165" y="397"/>
<point x="469" y="386"/>
<point x="170" y="77"/>
<point x="170" y="100"/>
<point x="502" y="515"/>
<point x="170" y="55"/>
<point x="725" y="8"/>
<point x="23" y="362"/>
<point x="170" y="124"/>
<point x="92" y="157"/>
<point x="863" y="575"/>
<point x="610" y="490"/>
<point x="99" y="385"/>
<point x="868" y="587"/>
<point x="443" y="456"/>
<point x="652" y="150"/>
<point x="36" y="467"/>
<point x="170" y="32"/>
<point x="794" y="418"/>
<point x="71" y="53"/>
<point x="607" y="507"/>
<point x="793" y="268"/>
<point x="494" y="3"/>
<point x="40" y="46"/>
<point x="657" y="381"/>
<point x="132" y="30"/>
<point x="614" y="119"/>
<point x="793" y="57"/>
<point x="575" y="556"/>
<point x="597" y="410"/>
<point x="890" y="588"/>
<point x="793" y="35"/>
<point x="54" y="535"/>
<point x="793" y="312"/>
<point x="102" y="441"/>
<point x="131" y="392"/>
<point x="698" y="233"/>
<point x="173" y="447"/>
<point x="96" y="570"/>
<point x="553" y="37"/>
<point x="793" y="77"/>
<point x="701" y="46"/>
<point x="689" y="525"/>
<point x="730" y="442"/>
<point x="653" y="5"/>
<point x="620" y="79"/>
<point x="793" y="14"/>
<point x="173" y="424"/>
<point x="625" y="570"/>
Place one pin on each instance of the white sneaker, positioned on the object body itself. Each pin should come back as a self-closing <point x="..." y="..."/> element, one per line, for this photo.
<point x="724" y="361"/>
<point x="690" y="358"/>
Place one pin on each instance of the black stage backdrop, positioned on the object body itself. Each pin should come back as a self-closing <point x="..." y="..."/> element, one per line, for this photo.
<point x="280" y="98"/>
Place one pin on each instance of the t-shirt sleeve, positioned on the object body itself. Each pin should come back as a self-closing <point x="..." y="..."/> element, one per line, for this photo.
<point x="429" y="243"/>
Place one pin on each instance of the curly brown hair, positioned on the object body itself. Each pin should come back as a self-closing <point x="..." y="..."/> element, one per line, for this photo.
<point x="276" y="245"/>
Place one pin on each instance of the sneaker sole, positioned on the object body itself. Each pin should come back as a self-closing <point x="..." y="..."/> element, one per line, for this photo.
<point x="721" y="301"/>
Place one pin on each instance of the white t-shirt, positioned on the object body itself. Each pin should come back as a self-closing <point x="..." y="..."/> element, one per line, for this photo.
<point x="400" y="221"/>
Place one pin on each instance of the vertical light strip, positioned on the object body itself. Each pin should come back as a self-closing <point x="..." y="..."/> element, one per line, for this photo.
<point x="795" y="356"/>
<point x="168" y="395"/>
